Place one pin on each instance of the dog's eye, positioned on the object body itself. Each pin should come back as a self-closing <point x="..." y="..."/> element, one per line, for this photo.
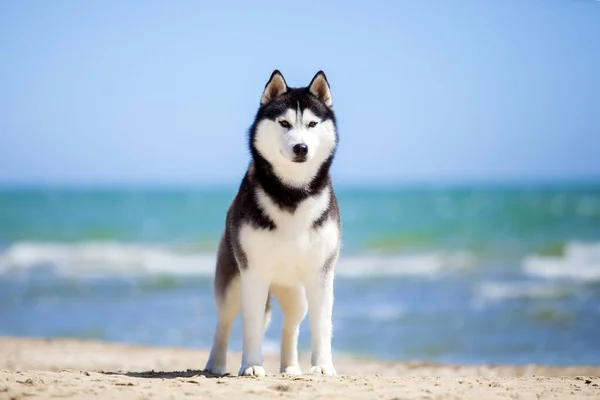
<point x="312" y="124"/>
<point x="285" y="124"/>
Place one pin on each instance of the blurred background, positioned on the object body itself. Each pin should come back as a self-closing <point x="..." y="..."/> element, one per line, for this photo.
<point x="468" y="172"/>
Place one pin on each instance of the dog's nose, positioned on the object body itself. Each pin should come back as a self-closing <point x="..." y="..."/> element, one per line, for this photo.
<point x="300" y="149"/>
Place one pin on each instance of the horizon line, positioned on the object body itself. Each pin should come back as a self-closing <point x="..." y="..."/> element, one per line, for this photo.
<point x="340" y="183"/>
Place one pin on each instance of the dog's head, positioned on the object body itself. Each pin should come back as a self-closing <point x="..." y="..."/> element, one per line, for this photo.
<point x="295" y="128"/>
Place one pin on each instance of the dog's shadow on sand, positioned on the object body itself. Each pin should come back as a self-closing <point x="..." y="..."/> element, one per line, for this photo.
<point x="167" y="374"/>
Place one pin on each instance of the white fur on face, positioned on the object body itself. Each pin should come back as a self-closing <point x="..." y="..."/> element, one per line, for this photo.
<point x="275" y="143"/>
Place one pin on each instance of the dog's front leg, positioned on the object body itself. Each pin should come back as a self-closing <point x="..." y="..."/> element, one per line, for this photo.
<point x="319" y="293"/>
<point x="255" y="292"/>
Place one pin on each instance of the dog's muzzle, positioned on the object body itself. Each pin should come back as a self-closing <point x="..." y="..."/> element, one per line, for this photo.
<point x="300" y="152"/>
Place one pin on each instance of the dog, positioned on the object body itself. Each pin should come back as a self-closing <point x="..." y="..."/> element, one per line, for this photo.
<point x="282" y="232"/>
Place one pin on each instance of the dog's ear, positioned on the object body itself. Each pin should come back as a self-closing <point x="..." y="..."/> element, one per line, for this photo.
<point x="274" y="88"/>
<point x="320" y="88"/>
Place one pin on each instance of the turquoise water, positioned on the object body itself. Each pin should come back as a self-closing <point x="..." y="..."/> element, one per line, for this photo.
<point x="477" y="275"/>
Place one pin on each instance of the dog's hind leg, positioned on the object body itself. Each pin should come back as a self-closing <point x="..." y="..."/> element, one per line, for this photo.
<point x="319" y="293"/>
<point x="294" y="308"/>
<point x="228" y="308"/>
<point x="228" y="301"/>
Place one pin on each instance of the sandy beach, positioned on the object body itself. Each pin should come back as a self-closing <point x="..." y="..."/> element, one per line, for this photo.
<point x="66" y="368"/>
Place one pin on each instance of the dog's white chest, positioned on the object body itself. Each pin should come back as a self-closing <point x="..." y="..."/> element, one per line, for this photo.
<point x="294" y="250"/>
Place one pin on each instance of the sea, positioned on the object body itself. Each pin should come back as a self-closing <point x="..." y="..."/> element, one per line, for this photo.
<point x="459" y="274"/>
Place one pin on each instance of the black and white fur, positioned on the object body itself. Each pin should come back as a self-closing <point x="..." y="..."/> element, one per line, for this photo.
<point x="282" y="234"/>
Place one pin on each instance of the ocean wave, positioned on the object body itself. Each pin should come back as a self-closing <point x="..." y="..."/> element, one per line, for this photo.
<point x="498" y="291"/>
<point x="579" y="262"/>
<point x="419" y="264"/>
<point x="386" y="313"/>
<point x="115" y="258"/>
<point x="103" y="257"/>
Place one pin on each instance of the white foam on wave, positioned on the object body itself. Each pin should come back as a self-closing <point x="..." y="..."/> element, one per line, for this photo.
<point x="113" y="258"/>
<point x="420" y="264"/>
<point x="579" y="262"/>
<point x="103" y="257"/>
<point x="386" y="312"/>
<point x="497" y="291"/>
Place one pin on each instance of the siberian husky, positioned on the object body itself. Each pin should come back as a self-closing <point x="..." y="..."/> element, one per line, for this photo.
<point x="282" y="232"/>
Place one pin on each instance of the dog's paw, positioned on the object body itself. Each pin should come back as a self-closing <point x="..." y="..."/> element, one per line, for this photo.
<point x="252" y="370"/>
<point x="215" y="368"/>
<point x="323" y="370"/>
<point x="291" y="370"/>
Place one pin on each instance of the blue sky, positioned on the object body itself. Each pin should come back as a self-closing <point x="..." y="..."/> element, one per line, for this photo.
<point x="108" y="92"/>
